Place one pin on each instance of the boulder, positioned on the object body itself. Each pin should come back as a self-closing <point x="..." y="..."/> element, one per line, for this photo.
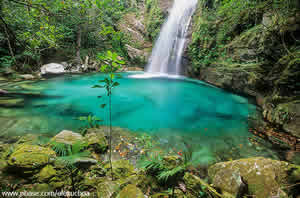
<point x="263" y="177"/>
<point x="131" y="191"/>
<point x="121" y="169"/>
<point x="97" y="142"/>
<point x="67" y="137"/>
<point x="52" y="68"/>
<point x="30" y="156"/>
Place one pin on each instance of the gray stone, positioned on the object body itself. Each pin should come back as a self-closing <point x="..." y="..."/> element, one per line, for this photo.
<point x="67" y="137"/>
<point x="52" y="68"/>
<point x="264" y="177"/>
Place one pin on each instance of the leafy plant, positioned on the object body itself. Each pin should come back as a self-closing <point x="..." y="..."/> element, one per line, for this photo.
<point x="169" y="169"/>
<point x="6" y="61"/>
<point x="91" y="121"/>
<point x="69" y="154"/>
<point x="112" y="64"/>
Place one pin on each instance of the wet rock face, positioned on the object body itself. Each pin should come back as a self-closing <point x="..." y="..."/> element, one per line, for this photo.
<point x="30" y="157"/>
<point x="259" y="176"/>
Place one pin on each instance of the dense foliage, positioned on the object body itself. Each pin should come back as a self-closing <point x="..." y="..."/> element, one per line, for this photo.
<point x="220" y="24"/>
<point x="32" y="30"/>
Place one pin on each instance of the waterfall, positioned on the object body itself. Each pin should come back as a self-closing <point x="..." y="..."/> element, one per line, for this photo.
<point x="167" y="53"/>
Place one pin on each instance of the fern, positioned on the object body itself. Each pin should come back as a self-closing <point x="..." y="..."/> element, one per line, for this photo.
<point x="72" y="153"/>
<point x="60" y="149"/>
<point x="152" y="163"/>
<point x="166" y="174"/>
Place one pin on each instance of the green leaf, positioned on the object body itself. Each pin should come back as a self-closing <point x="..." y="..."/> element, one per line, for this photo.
<point x="115" y="84"/>
<point x="109" y="54"/>
<point x="98" y="86"/>
<point x="102" y="105"/>
<point x="82" y="118"/>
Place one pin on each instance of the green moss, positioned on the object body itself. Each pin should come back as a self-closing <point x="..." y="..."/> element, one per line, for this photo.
<point x="131" y="191"/>
<point x="264" y="177"/>
<point x="121" y="169"/>
<point x="97" y="142"/>
<point x="30" y="156"/>
<point x="46" y="173"/>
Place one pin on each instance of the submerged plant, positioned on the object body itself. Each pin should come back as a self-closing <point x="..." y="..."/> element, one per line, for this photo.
<point x="112" y="64"/>
<point x="91" y="121"/>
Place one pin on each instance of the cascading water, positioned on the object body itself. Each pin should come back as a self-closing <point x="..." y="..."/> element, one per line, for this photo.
<point x="167" y="53"/>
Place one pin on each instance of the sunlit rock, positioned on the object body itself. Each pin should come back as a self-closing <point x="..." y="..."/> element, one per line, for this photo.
<point x="52" y="68"/>
<point x="67" y="137"/>
<point x="30" y="156"/>
<point x="263" y="177"/>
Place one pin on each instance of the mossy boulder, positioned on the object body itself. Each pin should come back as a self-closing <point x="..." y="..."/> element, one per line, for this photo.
<point x="67" y="137"/>
<point x="131" y="191"/>
<point x="263" y="177"/>
<point x="46" y="173"/>
<point x="30" y="156"/>
<point x="97" y="142"/>
<point x="121" y="169"/>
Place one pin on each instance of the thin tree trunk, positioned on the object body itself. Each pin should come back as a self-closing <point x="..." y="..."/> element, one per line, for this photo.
<point x="9" y="45"/>
<point x="78" y="45"/>
<point x="110" y="125"/>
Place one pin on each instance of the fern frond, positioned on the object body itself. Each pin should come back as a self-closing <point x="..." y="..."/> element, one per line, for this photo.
<point x="60" y="148"/>
<point x="166" y="174"/>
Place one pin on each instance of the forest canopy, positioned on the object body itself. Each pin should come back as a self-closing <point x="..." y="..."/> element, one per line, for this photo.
<point x="33" y="29"/>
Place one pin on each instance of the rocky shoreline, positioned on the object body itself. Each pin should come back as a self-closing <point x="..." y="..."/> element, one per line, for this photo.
<point x="36" y="163"/>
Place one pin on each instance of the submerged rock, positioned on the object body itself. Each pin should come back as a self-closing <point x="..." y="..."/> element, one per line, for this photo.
<point x="30" y="156"/>
<point x="263" y="177"/>
<point x="52" y="68"/>
<point x="67" y="137"/>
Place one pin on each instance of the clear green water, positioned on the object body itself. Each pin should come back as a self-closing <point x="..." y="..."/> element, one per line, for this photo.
<point x="172" y="109"/>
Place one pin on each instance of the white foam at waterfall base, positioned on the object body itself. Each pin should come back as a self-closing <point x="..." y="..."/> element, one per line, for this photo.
<point x="168" y="50"/>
